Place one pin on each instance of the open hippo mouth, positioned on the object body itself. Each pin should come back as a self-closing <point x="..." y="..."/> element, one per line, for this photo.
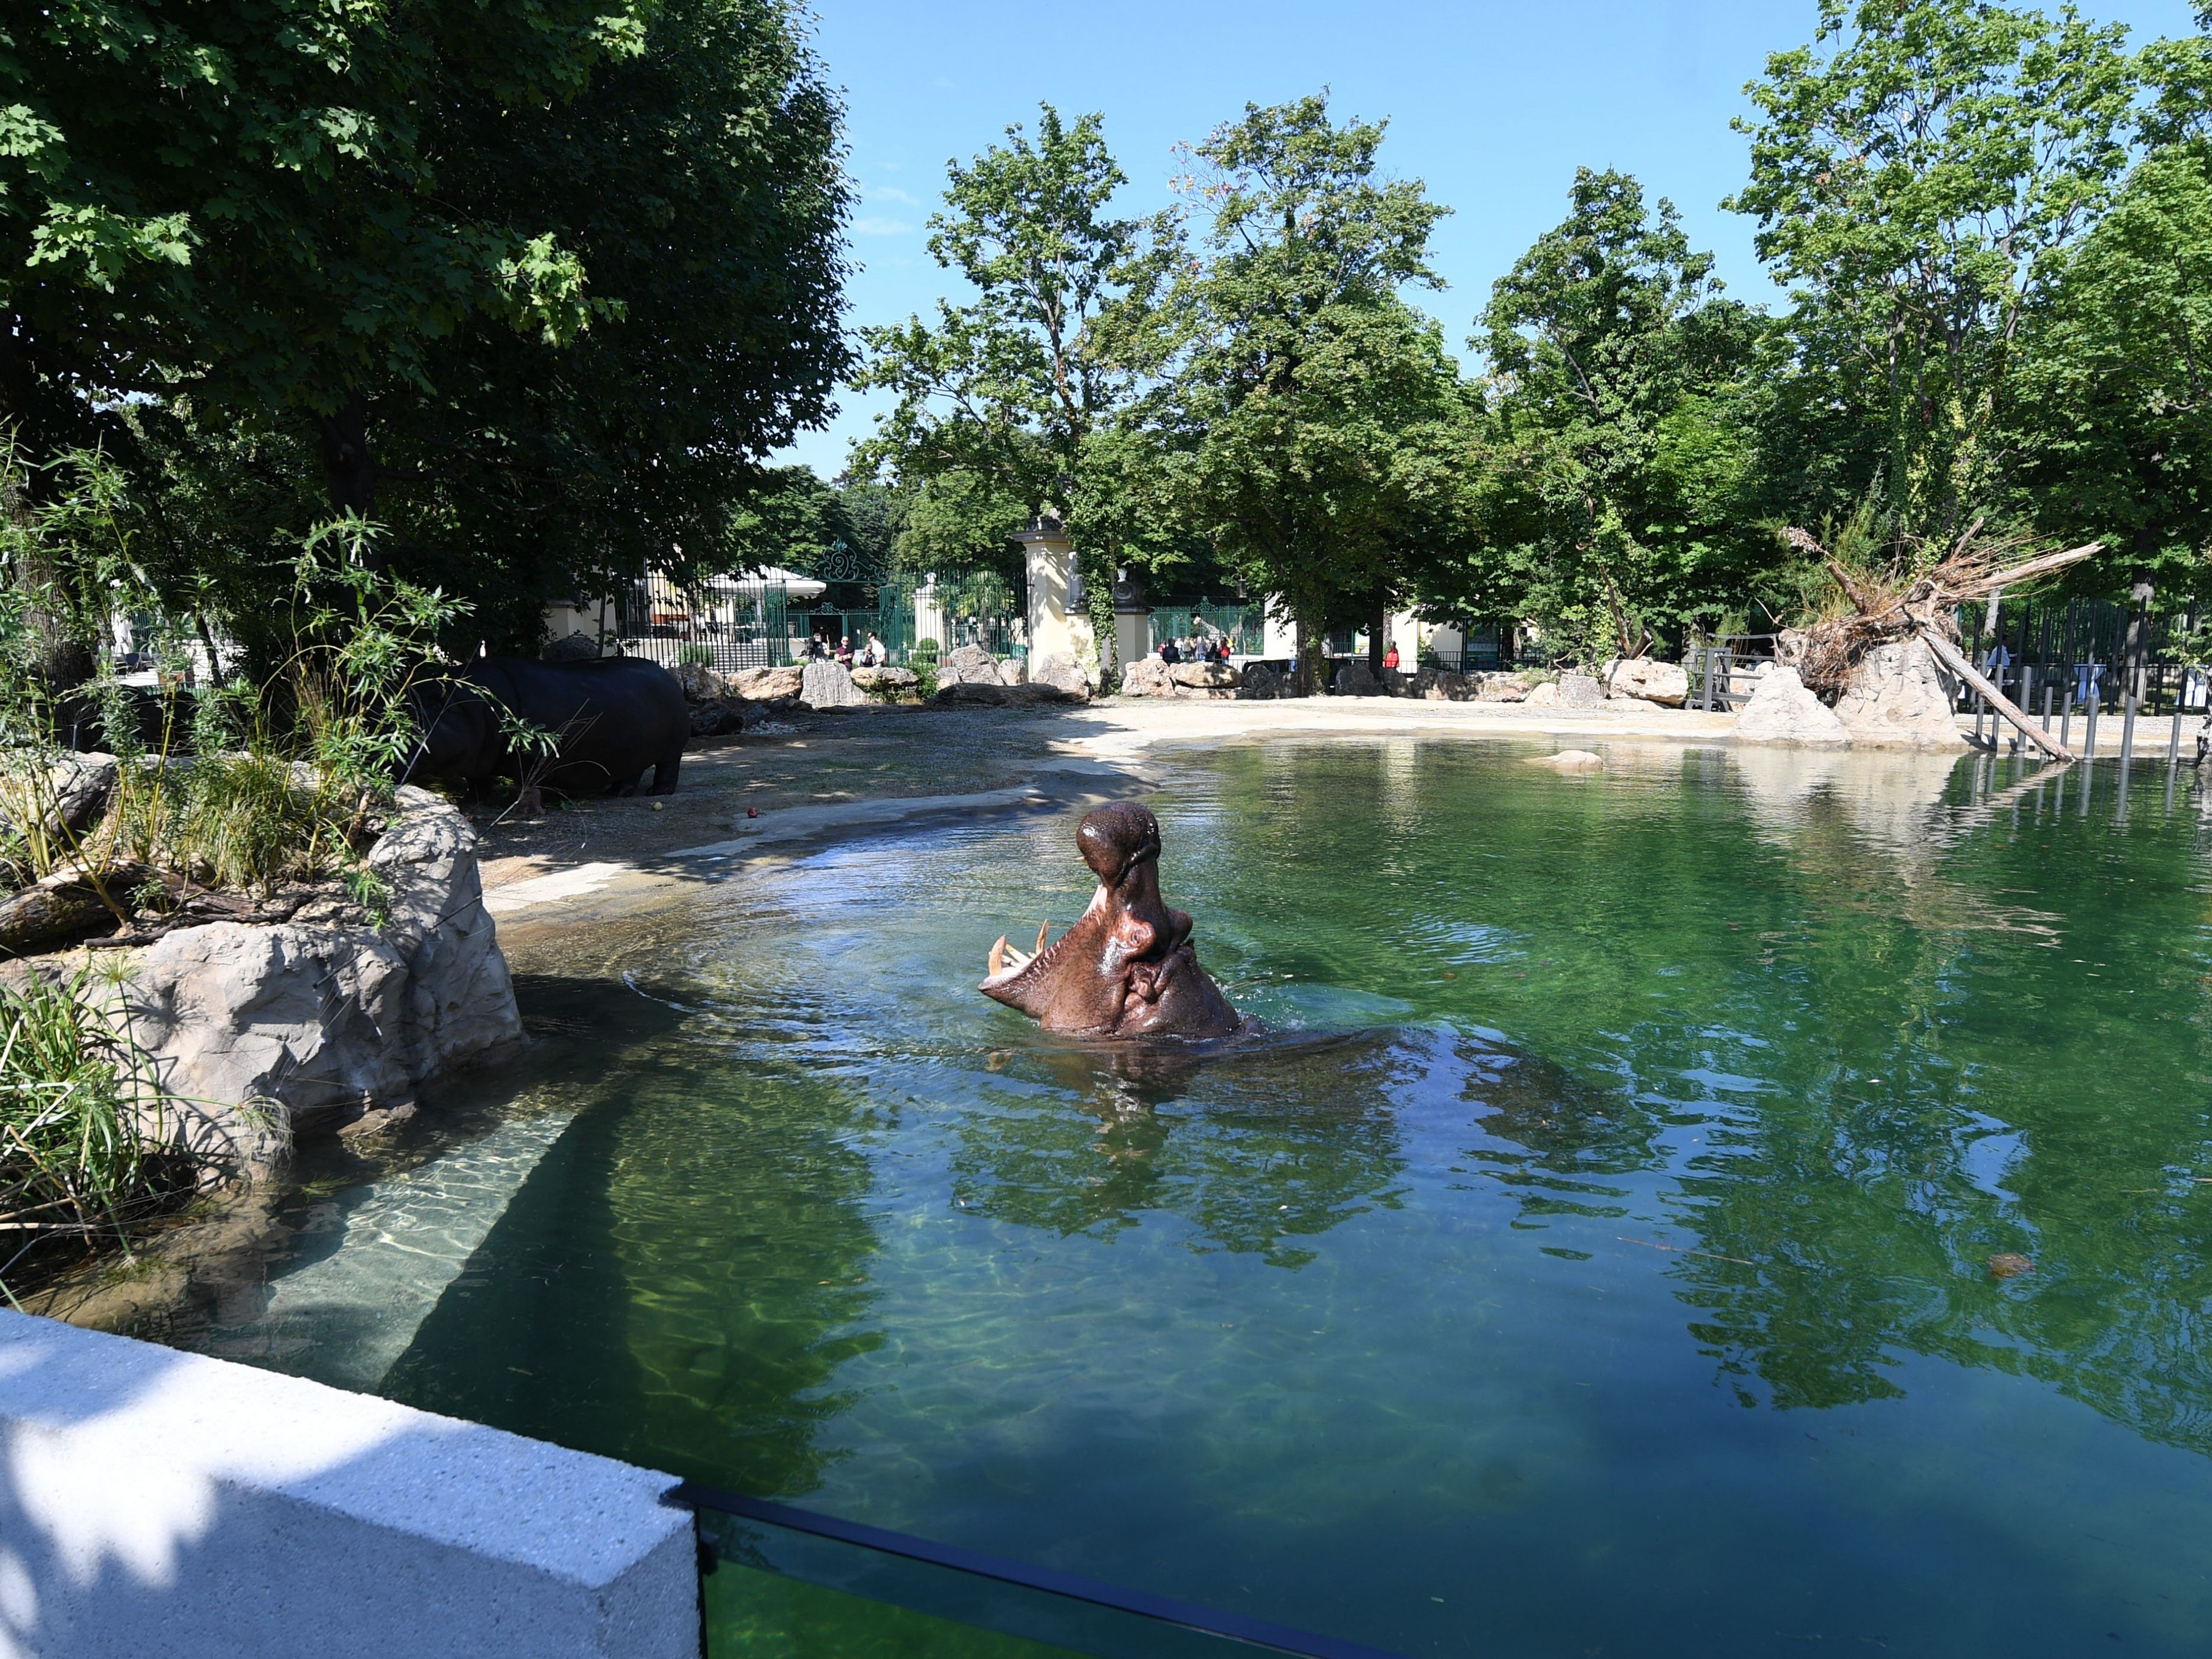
<point x="1127" y="969"/>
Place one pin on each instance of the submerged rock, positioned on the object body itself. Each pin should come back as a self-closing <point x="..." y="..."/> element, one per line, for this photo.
<point x="1569" y="759"/>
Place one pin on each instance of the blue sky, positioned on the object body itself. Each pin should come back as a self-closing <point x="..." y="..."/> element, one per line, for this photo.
<point x="1494" y="105"/>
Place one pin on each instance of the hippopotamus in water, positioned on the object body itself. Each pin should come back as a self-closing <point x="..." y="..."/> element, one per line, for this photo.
<point x="614" y="717"/>
<point x="1127" y="969"/>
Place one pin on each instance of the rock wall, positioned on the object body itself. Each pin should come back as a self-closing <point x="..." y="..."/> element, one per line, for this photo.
<point x="1900" y="697"/>
<point x="258" y="1034"/>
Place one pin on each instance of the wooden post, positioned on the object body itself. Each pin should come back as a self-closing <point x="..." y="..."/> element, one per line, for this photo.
<point x="1948" y="654"/>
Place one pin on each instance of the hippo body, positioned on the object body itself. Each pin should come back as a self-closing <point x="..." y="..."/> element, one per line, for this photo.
<point x="1127" y="969"/>
<point x="615" y="717"/>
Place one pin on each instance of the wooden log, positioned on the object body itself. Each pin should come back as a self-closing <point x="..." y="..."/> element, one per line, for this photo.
<point x="61" y="907"/>
<point x="1948" y="655"/>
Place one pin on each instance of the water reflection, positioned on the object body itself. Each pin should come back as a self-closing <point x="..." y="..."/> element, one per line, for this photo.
<point x="1257" y="1145"/>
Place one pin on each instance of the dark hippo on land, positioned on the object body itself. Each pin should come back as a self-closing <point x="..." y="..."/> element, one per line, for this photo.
<point x="1127" y="969"/>
<point x="615" y="717"/>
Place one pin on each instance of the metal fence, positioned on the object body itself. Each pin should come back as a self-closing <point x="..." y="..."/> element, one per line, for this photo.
<point x="725" y="622"/>
<point x="1244" y="624"/>
<point x="2054" y="658"/>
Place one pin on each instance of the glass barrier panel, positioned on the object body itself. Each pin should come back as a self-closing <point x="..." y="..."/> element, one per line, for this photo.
<point x="776" y="1594"/>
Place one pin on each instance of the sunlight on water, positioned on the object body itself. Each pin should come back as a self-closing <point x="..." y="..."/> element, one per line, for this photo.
<point x="1593" y="1259"/>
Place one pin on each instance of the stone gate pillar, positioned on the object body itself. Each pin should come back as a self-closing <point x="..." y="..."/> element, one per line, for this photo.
<point x="1132" y="619"/>
<point x="1055" y="593"/>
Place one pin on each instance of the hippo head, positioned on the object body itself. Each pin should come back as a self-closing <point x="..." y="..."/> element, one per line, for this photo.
<point x="1127" y="969"/>
<point x="457" y="733"/>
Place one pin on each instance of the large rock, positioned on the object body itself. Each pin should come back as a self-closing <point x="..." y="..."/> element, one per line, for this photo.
<point x="1063" y="673"/>
<point x="885" y="682"/>
<point x="1666" y="682"/>
<point x="1441" y="685"/>
<point x="1356" y="679"/>
<point x="1543" y="695"/>
<point x="1581" y="691"/>
<point x="256" y="1033"/>
<point x="969" y="664"/>
<point x="1258" y="681"/>
<point x="1501" y="687"/>
<point x="1147" y="677"/>
<point x="1782" y="710"/>
<point x="767" y="684"/>
<point x="701" y="683"/>
<point x="826" y="683"/>
<point x="576" y="647"/>
<point x="69" y="793"/>
<point x="999" y="697"/>
<point x="1208" y="675"/>
<point x="1900" y="697"/>
<point x="1014" y="670"/>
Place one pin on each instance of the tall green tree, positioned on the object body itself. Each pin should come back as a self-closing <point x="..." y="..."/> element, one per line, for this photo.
<point x="1919" y="173"/>
<point x="244" y="200"/>
<point x="1620" y="390"/>
<point x="1001" y="399"/>
<point x="1310" y="409"/>
<point x="2115" y="416"/>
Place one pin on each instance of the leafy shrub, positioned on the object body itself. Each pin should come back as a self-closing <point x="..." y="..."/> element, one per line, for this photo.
<point x="695" y="655"/>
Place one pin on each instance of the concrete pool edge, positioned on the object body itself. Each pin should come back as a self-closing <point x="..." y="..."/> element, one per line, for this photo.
<point x="160" y="1502"/>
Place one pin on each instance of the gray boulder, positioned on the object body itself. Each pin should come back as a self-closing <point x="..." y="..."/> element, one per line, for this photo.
<point x="1782" y="710"/>
<point x="1545" y="694"/>
<point x="884" y="681"/>
<point x="576" y="647"/>
<point x="701" y="683"/>
<point x="1356" y="679"/>
<point x="1666" y="682"/>
<point x="1500" y="687"/>
<point x="1208" y="675"/>
<point x="69" y="793"/>
<point x="767" y="684"/>
<point x="1581" y="691"/>
<point x="826" y="683"/>
<point x="1900" y="697"/>
<point x="1259" y="681"/>
<point x="1063" y="673"/>
<point x="1147" y="677"/>
<point x="257" y="1034"/>
<point x="969" y="664"/>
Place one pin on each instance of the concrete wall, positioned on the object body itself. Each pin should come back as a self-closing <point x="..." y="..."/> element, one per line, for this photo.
<point x="154" y="1503"/>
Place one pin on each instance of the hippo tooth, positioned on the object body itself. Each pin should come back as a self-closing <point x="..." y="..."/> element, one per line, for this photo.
<point x="1043" y="927"/>
<point x="997" y="960"/>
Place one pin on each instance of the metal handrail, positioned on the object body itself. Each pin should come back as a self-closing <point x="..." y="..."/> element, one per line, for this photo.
<point x="1162" y="1609"/>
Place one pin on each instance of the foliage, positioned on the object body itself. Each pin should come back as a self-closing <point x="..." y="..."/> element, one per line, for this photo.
<point x="2115" y="422"/>
<point x="1919" y="173"/>
<point x="1620" y="385"/>
<point x="1311" y="413"/>
<point x="89" y="1150"/>
<point x="543" y="281"/>
<point x="1003" y="402"/>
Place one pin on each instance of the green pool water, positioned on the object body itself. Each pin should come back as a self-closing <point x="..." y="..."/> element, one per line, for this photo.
<point x="1594" y="1261"/>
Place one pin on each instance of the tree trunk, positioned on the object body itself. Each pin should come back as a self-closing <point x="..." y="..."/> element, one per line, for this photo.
<point x="345" y="435"/>
<point x="1309" y="643"/>
<point x="1378" y="637"/>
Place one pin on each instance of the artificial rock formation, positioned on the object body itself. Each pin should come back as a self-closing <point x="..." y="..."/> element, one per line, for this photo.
<point x="1900" y="697"/>
<point x="1782" y="710"/>
<point x="259" y="1033"/>
<point x="1147" y="677"/>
